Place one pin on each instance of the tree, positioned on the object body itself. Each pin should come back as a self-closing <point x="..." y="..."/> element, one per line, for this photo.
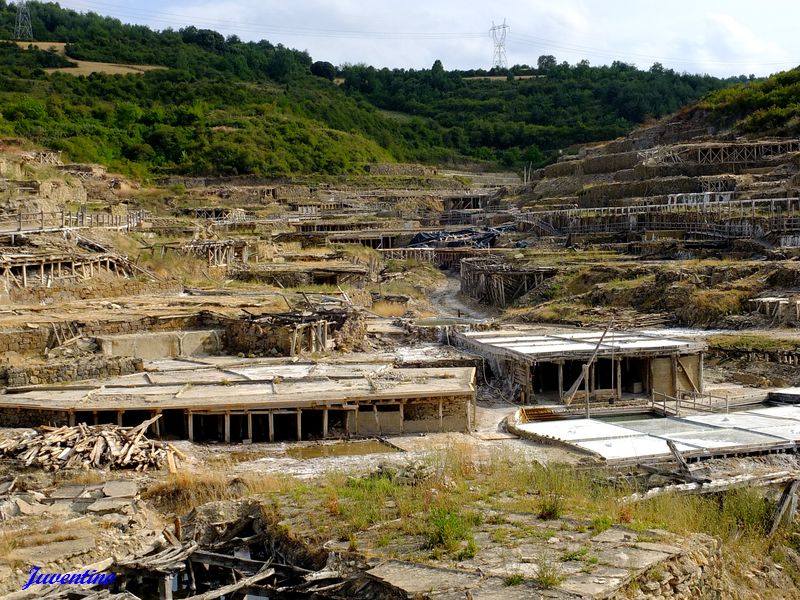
<point x="324" y="69"/>
<point x="546" y="62"/>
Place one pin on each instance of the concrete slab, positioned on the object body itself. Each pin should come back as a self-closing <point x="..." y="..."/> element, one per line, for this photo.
<point x="641" y="446"/>
<point x="570" y="430"/>
<point x="784" y="412"/>
<point x="661" y="427"/>
<point x="598" y="584"/>
<point x="724" y="438"/>
<point x="120" y="488"/>
<point x="421" y="579"/>
<point x="628" y="557"/>
<point x="106" y="505"/>
<point x="39" y="556"/>
<point x="67" y="492"/>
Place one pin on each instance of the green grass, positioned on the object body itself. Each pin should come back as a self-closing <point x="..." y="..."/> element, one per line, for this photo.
<point x="513" y="579"/>
<point x="752" y="343"/>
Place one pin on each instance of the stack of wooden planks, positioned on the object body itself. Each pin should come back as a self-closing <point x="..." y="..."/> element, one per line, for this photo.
<point x="91" y="446"/>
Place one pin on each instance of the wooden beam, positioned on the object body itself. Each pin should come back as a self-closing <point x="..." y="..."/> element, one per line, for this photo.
<point x="299" y="424"/>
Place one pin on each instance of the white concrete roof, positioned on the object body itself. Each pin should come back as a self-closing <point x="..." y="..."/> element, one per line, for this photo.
<point x="579" y="343"/>
<point x="254" y="387"/>
<point x="758" y="429"/>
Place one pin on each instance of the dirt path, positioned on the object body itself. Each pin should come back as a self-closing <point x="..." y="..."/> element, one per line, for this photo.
<point x="448" y="301"/>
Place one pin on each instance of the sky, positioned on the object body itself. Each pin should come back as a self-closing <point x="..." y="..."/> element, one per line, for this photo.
<point x="719" y="37"/>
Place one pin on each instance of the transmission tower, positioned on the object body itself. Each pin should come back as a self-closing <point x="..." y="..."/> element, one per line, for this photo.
<point x="22" y="28"/>
<point x="499" y="37"/>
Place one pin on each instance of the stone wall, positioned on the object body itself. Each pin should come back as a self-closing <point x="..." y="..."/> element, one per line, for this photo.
<point x="695" y="574"/>
<point x="35" y="339"/>
<point x="23" y="417"/>
<point x="90" y="290"/>
<point x="400" y="169"/>
<point x="252" y="338"/>
<point x="76" y="369"/>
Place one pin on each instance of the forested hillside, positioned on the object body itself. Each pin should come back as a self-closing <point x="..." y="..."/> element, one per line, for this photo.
<point x="769" y="107"/>
<point x="223" y="106"/>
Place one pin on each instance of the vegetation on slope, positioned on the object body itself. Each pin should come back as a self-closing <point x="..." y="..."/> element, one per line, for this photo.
<point x="225" y="107"/>
<point x="768" y="107"/>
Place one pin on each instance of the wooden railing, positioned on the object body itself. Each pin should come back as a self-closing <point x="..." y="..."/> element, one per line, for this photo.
<point x="23" y="222"/>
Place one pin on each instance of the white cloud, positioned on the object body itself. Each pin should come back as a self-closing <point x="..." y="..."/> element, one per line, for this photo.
<point x="723" y="37"/>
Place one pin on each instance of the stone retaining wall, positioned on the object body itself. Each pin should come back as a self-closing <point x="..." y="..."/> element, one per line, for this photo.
<point x="23" y="417"/>
<point x="90" y="291"/>
<point x="696" y="574"/>
<point x="72" y="370"/>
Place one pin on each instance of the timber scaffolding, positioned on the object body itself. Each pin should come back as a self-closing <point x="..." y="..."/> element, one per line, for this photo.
<point x="262" y="401"/>
<point x="290" y="274"/>
<point x="721" y="153"/>
<point x="756" y="218"/>
<point x="492" y="281"/>
<point x="48" y="221"/>
<point x="443" y="258"/>
<point x="218" y="253"/>
<point x="44" y="270"/>
<point x="537" y="366"/>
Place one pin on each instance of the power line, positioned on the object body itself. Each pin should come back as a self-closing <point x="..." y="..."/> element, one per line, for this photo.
<point x="22" y="26"/>
<point x="499" y="60"/>
<point x="171" y="19"/>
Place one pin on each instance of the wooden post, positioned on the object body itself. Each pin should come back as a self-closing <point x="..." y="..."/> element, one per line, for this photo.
<point x="561" y="380"/>
<point x="701" y="360"/>
<point x="71" y="419"/>
<point x="190" y="424"/>
<point x="441" y="415"/>
<point x="227" y="428"/>
<point x="403" y="418"/>
<point x="271" y="419"/>
<point x="250" y="426"/>
<point x="95" y="418"/>
<point x="325" y="422"/>
<point x="619" y="379"/>
<point x="165" y="587"/>
<point x="120" y="413"/>
<point x="375" y="416"/>
<point x="675" y="374"/>
<point x="586" y="387"/>
<point x="299" y="424"/>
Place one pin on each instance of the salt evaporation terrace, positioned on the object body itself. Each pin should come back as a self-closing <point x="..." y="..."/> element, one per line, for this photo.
<point x="759" y="430"/>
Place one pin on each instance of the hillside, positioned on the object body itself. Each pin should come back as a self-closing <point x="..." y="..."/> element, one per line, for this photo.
<point x="223" y="107"/>
<point x="767" y="107"/>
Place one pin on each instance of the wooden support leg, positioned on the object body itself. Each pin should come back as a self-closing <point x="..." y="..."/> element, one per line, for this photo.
<point x="441" y="415"/>
<point x="403" y="419"/>
<point x="299" y="424"/>
<point x="120" y="413"/>
<point x="227" y="428"/>
<point x="675" y="375"/>
<point x="324" y="422"/>
<point x="271" y="419"/>
<point x="190" y="424"/>
<point x="165" y="587"/>
<point x="71" y="419"/>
